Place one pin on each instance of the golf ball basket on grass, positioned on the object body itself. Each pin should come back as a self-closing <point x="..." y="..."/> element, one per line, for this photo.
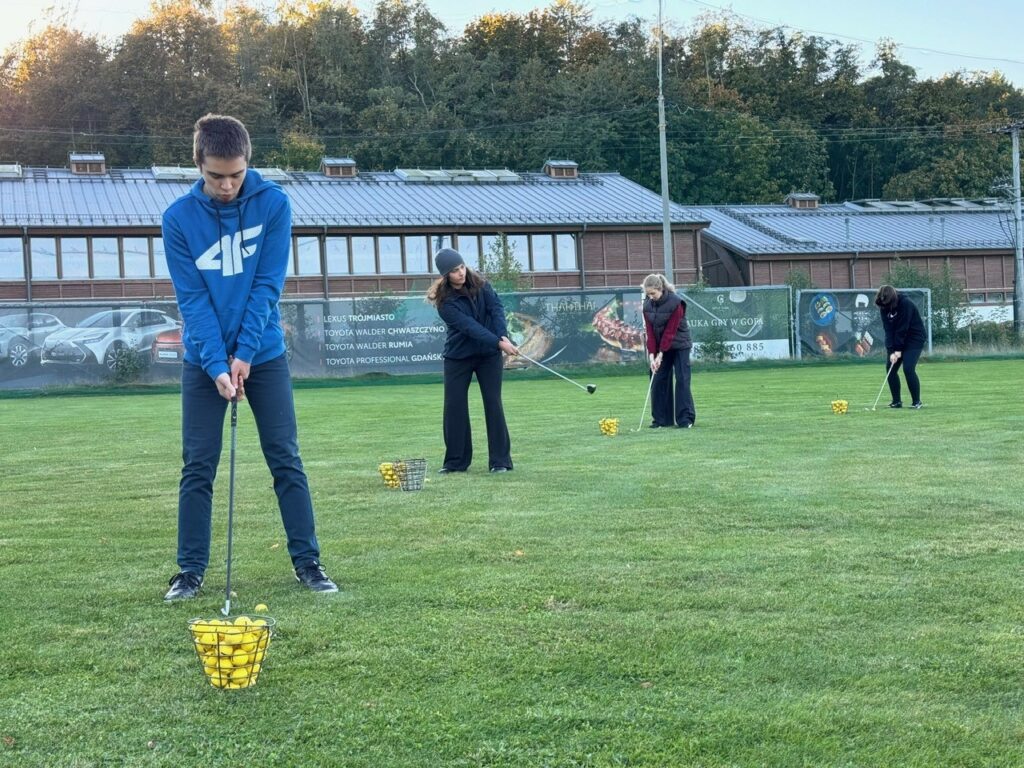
<point x="839" y="407"/>
<point x="407" y="474"/>
<point x="232" y="650"/>
<point x="609" y="427"/>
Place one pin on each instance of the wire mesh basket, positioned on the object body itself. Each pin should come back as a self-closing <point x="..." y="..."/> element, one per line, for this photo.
<point x="232" y="650"/>
<point x="410" y="473"/>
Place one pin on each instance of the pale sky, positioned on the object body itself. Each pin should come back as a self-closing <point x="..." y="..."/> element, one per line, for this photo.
<point x="935" y="36"/>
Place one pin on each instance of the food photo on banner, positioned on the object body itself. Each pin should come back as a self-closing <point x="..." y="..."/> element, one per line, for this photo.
<point x="847" y="322"/>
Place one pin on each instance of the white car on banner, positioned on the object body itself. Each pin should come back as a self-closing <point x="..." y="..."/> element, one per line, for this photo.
<point x="22" y="335"/>
<point x="105" y="337"/>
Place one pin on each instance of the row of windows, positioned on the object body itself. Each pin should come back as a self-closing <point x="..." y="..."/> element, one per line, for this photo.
<point x="113" y="258"/>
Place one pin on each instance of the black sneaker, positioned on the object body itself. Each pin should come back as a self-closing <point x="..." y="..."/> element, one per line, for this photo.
<point x="917" y="406"/>
<point x="184" y="586"/>
<point x="895" y="405"/>
<point x="313" y="576"/>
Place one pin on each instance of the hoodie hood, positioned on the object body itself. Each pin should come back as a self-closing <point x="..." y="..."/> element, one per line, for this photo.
<point x="254" y="184"/>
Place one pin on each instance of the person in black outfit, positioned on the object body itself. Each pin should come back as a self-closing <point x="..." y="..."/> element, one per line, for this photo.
<point x="905" y="338"/>
<point x="668" y="352"/>
<point x="476" y="338"/>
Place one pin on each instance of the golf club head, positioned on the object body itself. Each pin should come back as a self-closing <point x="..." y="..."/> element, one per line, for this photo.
<point x="591" y="388"/>
<point x="226" y="610"/>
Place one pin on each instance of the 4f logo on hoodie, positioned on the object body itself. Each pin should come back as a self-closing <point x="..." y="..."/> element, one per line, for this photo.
<point x="231" y="251"/>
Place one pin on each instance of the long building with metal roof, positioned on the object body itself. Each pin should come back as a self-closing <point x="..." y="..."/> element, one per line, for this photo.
<point x="855" y="244"/>
<point x="87" y="231"/>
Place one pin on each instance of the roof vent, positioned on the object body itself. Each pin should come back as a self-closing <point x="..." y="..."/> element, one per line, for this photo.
<point x="339" y="167"/>
<point x="87" y="163"/>
<point x="805" y="200"/>
<point x="562" y="169"/>
<point x="10" y="170"/>
<point x="175" y="173"/>
<point x="273" y="174"/>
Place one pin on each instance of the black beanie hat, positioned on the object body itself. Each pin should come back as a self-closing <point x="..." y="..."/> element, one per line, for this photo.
<point x="446" y="260"/>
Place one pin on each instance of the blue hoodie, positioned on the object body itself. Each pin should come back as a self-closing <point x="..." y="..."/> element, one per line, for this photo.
<point x="228" y="263"/>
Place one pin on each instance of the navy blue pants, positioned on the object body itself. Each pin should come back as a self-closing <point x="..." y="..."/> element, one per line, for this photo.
<point x="663" y="411"/>
<point x="268" y="390"/>
<point x="458" y="436"/>
<point x="908" y="362"/>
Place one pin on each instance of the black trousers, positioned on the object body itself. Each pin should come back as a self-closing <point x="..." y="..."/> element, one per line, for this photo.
<point x="673" y="362"/>
<point x="458" y="435"/>
<point x="908" y="362"/>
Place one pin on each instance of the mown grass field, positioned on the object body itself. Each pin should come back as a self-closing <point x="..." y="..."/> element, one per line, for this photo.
<point x="779" y="586"/>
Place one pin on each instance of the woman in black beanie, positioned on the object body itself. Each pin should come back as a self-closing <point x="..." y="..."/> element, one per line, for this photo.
<point x="905" y="338"/>
<point x="476" y="338"/>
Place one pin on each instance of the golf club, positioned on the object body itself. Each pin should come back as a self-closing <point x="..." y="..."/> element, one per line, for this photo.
<point x="226" y="610"/>
<point x="883" y="385"/>
<point x="646" y="401"/>
<point x="590" y="388"/>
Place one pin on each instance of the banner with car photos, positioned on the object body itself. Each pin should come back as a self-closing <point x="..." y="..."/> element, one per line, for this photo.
<point x="45" y="345"/>
<point x="847" y="322"/>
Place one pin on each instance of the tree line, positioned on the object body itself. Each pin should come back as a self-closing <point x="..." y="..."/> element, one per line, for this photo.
<point x="752" y="113"/>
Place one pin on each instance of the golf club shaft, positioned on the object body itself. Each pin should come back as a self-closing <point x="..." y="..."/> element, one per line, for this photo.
<point x="551" y="370"/>
<point x="883" y="384"/>
<point x="646" y="401"/>
<point x="231" y="501"/>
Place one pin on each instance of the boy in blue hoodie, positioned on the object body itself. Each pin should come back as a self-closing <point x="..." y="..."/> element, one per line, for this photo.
<point x="227" y="246"/>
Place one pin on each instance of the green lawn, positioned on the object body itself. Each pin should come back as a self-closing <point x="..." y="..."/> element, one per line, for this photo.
<point x="779" y="586"/>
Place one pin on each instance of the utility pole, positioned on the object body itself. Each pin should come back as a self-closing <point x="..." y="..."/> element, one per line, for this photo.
<point x="666" y="225"/>
<point x="1018" y="246"/>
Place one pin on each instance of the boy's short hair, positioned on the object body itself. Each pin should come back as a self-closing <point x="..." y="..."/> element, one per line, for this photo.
<point x="220" y="136"/>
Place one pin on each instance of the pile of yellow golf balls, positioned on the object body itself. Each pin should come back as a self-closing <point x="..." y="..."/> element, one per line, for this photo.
<point x="390" y="474"/>
<point x="609" y="427"/>
<point x="231" y="650"/>
<point x="840" y="407"/>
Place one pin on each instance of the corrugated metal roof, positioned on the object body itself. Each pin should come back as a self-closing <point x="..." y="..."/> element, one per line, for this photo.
<point x="133" y="197"/>
<point x="864" y="226"/>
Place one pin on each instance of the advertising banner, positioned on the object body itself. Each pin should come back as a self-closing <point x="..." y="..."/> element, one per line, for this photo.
<point x="50" y="345"/>
<point x="838" y="322"/>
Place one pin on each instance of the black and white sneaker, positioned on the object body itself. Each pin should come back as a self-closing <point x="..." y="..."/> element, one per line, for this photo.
<point x="184" y="586"/>
<point x="917" y="406"/>
<point x="895" y="405"/>
<point x="313" y="576"/>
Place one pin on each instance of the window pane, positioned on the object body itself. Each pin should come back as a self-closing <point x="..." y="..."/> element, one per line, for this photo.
<point x="362" y="256"/>
<point x="12" y="263"/>
<point x="390" y="255"/>
<point x="44" y="258"/>
<point x="543" y="253"/>
<point x="469" y="247"/>
<point x="159" y="259"/>
<point x="290" y="271"/>
<point x="566" y="245"/>
<point x="516" y="245"/>
<point x="104" y="258"/>
<point x="444" y="241"/>
<point x="309" y="255"/>
<point x="337" y="255"/>
<point x="521" y="250"/>
<point x="136" y="257"/>
<point x="74" y="258"/>
<point x="416" y="255"/>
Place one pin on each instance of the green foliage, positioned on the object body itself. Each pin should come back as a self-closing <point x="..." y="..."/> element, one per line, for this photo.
<point x="502" y="268"/>
<point x="127" y="365"/>
<point x="753" y="112"/>
<point x="714" y="349"/>
<point x="949" y="312"/>
<point x="731" y="595"/>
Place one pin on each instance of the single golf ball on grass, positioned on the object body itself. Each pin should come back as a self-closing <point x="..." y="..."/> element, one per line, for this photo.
<point x="839" y="407"/>
<point x="231" y="650"/>
<point x="609" y="427"/>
